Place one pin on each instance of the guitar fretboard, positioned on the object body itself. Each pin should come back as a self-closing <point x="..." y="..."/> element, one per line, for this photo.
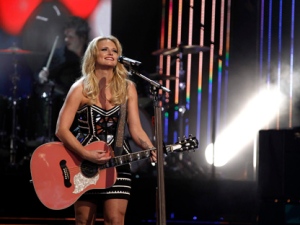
<point x="125" y="159"/>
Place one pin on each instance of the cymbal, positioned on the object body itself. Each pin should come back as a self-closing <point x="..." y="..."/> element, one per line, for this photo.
<point x="157" y="76"/>
<point x="15" y="50"/>
<point x="184" y="49"/>
<point x="160" y="51"/>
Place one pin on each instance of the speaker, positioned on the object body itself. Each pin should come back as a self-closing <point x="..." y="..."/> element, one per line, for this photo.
<point x="278" y="213"/>
<point x="278" y="176"/>
<point x="279" y="164"/>
<point x="271" y="213"/>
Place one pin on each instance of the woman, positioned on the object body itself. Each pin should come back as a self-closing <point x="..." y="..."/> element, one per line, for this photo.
<point x="98" y="94"/>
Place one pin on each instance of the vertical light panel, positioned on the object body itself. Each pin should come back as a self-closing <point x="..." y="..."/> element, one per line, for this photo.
<point x="189" y="65"/>
<point x="200" y="70"/>
<point x="279" y="57"/>
<point x="179" y="27"/>
<point x="162" y="44"/>
<point x="285" y="46"/>
<point x="220" y="67"/>
<point x="210" y="110"/>
<point x="269" y="50"/>
<point x="169" y="35"/>
<point x="228" y="17"/>
<point x="292" y="63"/>
<point x="269" y="42"/>
<point x="178" y="91"/>
<point x="189" y="57"/>
<point x="166" y="37"/>
<point x="261" y="39"/>
<point x="180" y="16"/>
<point x="162" y="34"/>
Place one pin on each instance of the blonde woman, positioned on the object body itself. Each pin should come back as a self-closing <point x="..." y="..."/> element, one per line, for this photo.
<point x="95" y="101"/>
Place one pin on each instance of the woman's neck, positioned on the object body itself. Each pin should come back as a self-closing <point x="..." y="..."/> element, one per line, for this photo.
<point x="104" y="75"/>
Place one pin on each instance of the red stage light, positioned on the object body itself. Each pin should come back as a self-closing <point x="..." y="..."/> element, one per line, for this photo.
<point x="81" y="8"/>
<point x="15" y="13"/>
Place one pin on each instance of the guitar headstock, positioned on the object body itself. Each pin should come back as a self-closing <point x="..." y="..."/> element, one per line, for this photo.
<point x="185" y="144"/>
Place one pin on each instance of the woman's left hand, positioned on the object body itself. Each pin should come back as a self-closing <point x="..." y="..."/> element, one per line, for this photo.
<point x="153" y="156"/>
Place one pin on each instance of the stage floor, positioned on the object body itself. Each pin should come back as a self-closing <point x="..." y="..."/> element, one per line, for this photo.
<point x="188" y="201"/>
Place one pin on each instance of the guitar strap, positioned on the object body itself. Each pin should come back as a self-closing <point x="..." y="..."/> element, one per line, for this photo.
<point x="120" y="130"/>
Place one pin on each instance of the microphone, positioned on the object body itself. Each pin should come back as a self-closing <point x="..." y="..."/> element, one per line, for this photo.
<point x="128" y="61"/>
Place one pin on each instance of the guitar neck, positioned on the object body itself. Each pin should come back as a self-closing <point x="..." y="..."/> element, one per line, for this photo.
<point x="185" y="145"/>
<point x="126" y="159"/>
<point x="136" y="156"/>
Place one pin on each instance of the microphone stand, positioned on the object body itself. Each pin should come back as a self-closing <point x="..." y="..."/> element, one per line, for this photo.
<point x="160" y="192"/>
<point x="13" y="138"/>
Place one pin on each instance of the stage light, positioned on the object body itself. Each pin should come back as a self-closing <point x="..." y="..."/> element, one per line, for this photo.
<point x="182" y="109"/>
<point x="258" y="112"/>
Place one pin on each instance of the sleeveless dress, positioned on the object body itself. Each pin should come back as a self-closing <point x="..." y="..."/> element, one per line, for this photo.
<point x="97" y="124"/>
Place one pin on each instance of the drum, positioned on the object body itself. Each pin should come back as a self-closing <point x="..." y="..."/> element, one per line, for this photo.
<point x="13" y="115"/>
<point x="19" y="124"/>
<point x="38" y="117"/>
<point x="33" y="123"/>
<point x="4" y="122"/>
<point x="31" y="117"/>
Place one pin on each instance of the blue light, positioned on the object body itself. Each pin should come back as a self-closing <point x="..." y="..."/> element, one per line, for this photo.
<point x="172" y="216"/>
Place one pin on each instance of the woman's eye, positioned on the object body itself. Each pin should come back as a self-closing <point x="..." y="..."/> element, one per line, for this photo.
<point x="106" y="49"/>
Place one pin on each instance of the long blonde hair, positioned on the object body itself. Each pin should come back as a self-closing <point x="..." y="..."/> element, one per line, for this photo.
<point x="118" y="84"/>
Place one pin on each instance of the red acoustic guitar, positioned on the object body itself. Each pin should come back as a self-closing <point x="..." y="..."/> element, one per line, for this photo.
<point x="60" y="177"/>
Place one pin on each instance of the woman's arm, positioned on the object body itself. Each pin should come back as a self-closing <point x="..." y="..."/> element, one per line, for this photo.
<point x="136" y="130"/>
<point x="65" y="119"/>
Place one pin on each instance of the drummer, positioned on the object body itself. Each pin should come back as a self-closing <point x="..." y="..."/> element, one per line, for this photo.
<point x="64" y="67"/>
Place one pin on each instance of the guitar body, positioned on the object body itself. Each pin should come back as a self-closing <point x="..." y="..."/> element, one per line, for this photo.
<point x="60" y="177"/>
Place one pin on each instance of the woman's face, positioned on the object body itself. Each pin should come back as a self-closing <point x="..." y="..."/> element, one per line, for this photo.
<point x="107" y="55"/>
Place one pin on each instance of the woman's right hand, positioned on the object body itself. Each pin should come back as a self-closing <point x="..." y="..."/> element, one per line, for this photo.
<point x="98" y="156"/>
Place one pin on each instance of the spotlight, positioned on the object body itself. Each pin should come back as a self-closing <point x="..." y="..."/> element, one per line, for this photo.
<point x="258" y="112"/>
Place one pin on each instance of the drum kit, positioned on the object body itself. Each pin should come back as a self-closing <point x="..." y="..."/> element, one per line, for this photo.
<point x="179" y="52"/>
<point x="176" y="162"/>
<point x="13" y="118"/>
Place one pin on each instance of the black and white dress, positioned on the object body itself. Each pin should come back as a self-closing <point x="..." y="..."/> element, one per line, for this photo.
<point x="97" y="124"/>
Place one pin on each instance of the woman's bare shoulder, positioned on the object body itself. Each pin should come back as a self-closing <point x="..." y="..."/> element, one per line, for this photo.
<point x="131" y="85"/>
<point x="77" y="85"/>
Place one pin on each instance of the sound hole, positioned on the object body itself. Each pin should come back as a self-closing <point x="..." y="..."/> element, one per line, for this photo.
<point x="89" y="169"/>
